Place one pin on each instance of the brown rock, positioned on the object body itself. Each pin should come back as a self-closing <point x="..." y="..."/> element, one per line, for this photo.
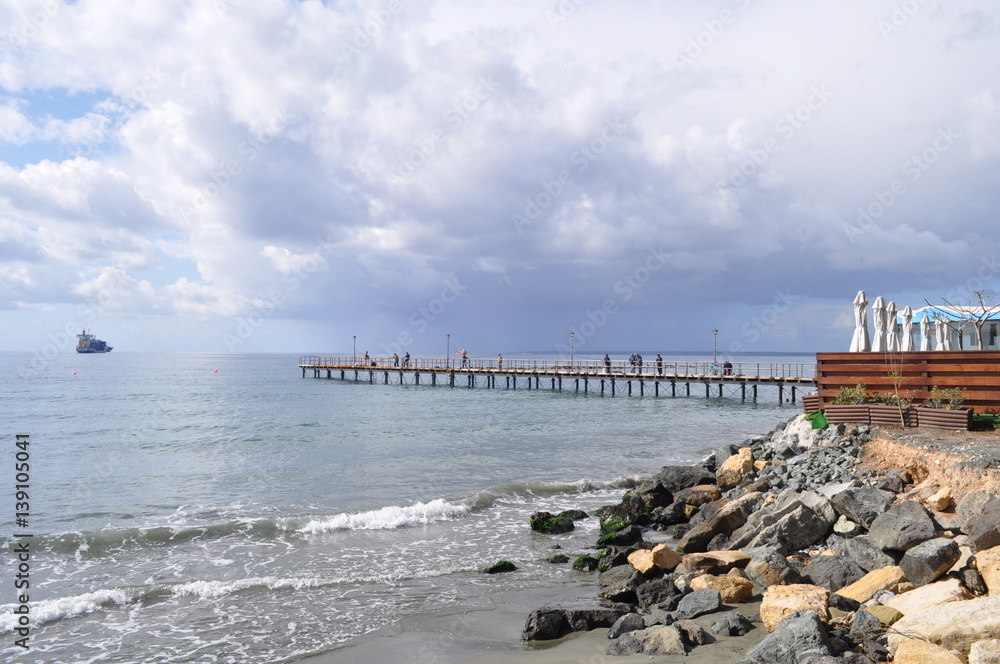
<point x="885" y="614"/>
<point x="733" y="589"/>
<point x="954" y="626"/>
<point x="886" y="578"/>
<point x="732" y="470"/>
<point x="714" y="562"/>
<point x="699" y="495"/>
<point x="986" y="651"/>
<point x="642" y="560"/>
<point x="780" y="601"/>
<point x="924" y="597"/>
<point x="940" y="500"/>
<point x="914" y="651"/>
<point x="665" y="558"/>
<point x="988" y="564"/>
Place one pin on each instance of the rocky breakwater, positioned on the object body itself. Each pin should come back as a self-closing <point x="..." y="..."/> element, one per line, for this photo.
<point x="789" y="539"/>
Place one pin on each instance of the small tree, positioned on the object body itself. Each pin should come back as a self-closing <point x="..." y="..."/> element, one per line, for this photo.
<point x="976" y="314"/>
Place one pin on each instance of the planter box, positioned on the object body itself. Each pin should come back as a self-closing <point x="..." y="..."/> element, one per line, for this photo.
<point x="886" y="415"/>
<point x="810" y="403"/>
<point x="847" y="414"/>
<point x="941" y="418"/>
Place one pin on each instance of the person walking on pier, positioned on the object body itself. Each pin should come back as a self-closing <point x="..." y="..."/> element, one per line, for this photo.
<point x="395" y="360"/>
<point x="659" y="364"/>
<point x="631" y="362"/>
<point x="638" y="362"/>
<point x="406" y="359"/>
<point x="607" y="363"/>
<point x="366" y="358"/>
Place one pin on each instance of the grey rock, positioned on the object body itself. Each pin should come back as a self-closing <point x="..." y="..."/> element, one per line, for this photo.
<point x="862" y="504"/>
<point x="970" y="507"/>
<point x="865" y="623"/>
<point x="732" y="623"/>
<point x="984" y="530"/>
<point x="656" y="616"/>
<point x="659" y="640"/>
<point x="555" y="620"/>
<point x="793" y="522"/>
<point x="893" y="482"/>
<point x="622" y="592"/>
<point x="672" y="514"/>
<point x="675" y="478"/>
<point x="698" y="603"/>
<point x="629" y="622"/>
<point x="928" y="560"/>
<point x="822" y="659"/>
<point x="659" y="592"/>
<point x="800" y="635"/>
<point x="973" y="580"/>
<point x="768" y="566"/>
<point x="831" y="572"/>
<point x="618" y="575"/>
<point x="902" y="527"/>
<point x="863" y="551"/>
<point x="730" y="516"/>
<point x="694" y="634"/>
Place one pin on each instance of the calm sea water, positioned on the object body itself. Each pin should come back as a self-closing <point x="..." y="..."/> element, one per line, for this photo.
<point x="221" y="508"/>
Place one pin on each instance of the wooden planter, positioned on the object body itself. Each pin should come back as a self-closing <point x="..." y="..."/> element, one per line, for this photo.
<point x="847" y="414"/>
<point x="941" y="418"/>
<point x="888" y="415"/>
<point x="810" y="403"/>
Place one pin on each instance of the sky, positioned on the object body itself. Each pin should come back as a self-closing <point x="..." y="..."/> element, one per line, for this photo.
<point x="241" y="176"/>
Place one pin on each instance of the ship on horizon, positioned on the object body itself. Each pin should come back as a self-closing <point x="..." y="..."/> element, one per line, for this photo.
<point x="87" y="343"/>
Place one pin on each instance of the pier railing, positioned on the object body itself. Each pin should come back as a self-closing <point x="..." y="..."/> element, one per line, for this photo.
<point x="798" y="371"/>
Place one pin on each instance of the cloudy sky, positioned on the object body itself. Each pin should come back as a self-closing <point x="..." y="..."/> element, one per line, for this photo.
<point x="277" y="175"/>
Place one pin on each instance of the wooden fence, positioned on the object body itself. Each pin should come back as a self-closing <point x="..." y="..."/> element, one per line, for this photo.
<point x="913" y="374"/>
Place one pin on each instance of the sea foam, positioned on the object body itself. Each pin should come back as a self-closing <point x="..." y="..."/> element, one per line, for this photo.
<point x="388" y="518"/>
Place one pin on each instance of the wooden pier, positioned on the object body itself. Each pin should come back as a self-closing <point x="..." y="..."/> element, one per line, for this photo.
<point x="619" y="378"/>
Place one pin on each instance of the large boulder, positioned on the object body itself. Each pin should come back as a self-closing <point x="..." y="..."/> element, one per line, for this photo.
<point x="986" y="651"/>
<point x="782" y="601"/>
<point x="831" y="572"/>
<point x="954" y="626"/>
<point x="733" y="623"/>
<point x="732" y="589"/>
<point x="988" y="564"/>
<point x="732" y="470"/>
<point x="862" y="551"/>
<point x="729" y="517"/>
<point x="913" y="651"/>
<point x="698" y="603"/>
<point x="629" y="622"/>
<point x="659" y="557"/>
<point x="886" y="578"/>
<point x="924" y="597"/>
<point x="799" y="636"/>
<point x="675" y="478"/>
<point x="970" y="506"/>
<point x="928" y="560"/>
<point x="697" y="496"/>
<point x="658" y="592"/>
<point x="658" y="640"/>
<point x="792" y="522"/>
<point x="769" y="567"/>
<point x="714" y="562"/>
<point x="862" y="504"/>
<point x="556" y="620"/>
<point x="545" y="522"/>
<point x="984" y="530"/>
<point x="902" y="527"/>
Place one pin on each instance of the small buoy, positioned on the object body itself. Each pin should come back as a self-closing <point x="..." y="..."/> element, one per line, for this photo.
<point x="216" y="371"/>
<point x="74" y="373"/>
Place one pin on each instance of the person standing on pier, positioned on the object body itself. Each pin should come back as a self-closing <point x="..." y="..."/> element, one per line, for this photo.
<point x="406" y="359"/>
<point x="638" y="362"/>
<point x="499" y="362"/>
<point x="366" y="358"/>
<point x="659" y="364"/>
<point x="395" y="360"/>
<point x="607" y="363"/>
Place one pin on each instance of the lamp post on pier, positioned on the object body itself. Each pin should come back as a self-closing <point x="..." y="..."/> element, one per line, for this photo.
<point x="715" y="346"/>
<point x="571" y="348"/>
<point x="447" y="352"/>
<point x="355" y="337"/>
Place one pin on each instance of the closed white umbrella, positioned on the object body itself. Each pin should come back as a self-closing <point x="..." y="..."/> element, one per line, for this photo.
<point x="908" y="330"/>
<point x="860" y="342"/>
<point x="941" y="335"/>
<point x="878" y="312"/>
<point x="891" y="334"/>
<point x="925" y="332"/>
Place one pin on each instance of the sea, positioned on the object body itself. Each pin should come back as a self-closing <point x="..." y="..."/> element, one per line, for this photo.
<point x="224" y="508"/>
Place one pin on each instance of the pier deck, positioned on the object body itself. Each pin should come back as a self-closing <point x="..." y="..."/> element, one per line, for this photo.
<point x="670" y="379"/>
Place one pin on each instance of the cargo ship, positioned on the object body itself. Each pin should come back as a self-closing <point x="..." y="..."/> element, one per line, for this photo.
<point x="87" y="343"/>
